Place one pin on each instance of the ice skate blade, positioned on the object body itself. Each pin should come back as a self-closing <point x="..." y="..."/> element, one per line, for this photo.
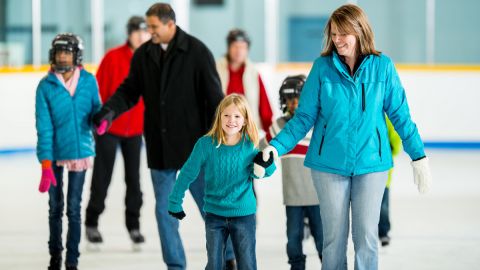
<point x="94" y="247"/>
<point x="136" y="247"/>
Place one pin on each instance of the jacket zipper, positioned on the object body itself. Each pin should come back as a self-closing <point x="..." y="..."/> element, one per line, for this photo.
<point x="363" y="96"/>
<point x="323" y="139"/>
<point x="379" y="144"/>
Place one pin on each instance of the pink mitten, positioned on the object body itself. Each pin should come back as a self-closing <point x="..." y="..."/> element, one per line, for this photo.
<point x="47" y="176"/>
<point x="102" y="128"/>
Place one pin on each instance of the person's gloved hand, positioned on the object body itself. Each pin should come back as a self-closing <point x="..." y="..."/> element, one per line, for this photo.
<point x="179" y="215"/>
<point x="47" y="176"/>
<point x="259" y="165"/>
<point x="421" y="175"/>
<point x="266" y="153"/>
<point x="103" y="120"/>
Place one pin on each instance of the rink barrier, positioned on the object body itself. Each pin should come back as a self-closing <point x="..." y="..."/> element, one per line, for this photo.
<point x="455" y="143"/>
<point x="428" y="145"/>
<point x="279" y="67"/>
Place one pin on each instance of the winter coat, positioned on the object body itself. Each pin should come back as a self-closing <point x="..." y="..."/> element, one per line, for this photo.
<point x="64" y="123"/>
<point x="348" y="114"/>
<point x="110" y="74"/>
<point x="180" y="89"/>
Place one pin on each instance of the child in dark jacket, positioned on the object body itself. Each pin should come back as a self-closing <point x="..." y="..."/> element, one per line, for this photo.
<point x="66" y="100"/>
<point x="227" y="154"/>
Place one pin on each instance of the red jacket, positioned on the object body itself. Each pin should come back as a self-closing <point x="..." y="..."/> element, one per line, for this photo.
<point x="112" y="71"/>
<point x="235" y="85"/>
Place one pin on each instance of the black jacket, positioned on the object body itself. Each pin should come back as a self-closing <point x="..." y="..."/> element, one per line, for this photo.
<point x="181" y="90"/>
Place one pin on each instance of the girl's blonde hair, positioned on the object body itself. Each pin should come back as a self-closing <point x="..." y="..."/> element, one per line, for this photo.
<point x="249" y="129"/>
<point x="352" y="20"/>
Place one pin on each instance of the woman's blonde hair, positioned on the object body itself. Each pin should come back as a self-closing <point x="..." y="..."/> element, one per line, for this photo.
<point x="249" y="128"/>
<point x="352" y="20"/>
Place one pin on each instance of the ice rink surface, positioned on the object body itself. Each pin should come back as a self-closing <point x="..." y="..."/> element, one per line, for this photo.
<point x="440" y="230"/>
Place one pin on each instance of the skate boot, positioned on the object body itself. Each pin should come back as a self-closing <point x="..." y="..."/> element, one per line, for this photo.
<point x="94" y="238"/>
<point x="385" y="241"/>
<point x="231" y="264"/>
<point x="137" y="239"/>
<point x="55" y="262"/>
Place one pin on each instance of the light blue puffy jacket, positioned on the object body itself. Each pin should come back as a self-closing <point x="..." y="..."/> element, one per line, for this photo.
<point x="350" y="134"/>
<point x="64" y="123"/>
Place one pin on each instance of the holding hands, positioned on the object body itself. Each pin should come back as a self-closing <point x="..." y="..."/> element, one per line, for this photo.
<point x="103" y="120"/>
<point x="263" y="160"/>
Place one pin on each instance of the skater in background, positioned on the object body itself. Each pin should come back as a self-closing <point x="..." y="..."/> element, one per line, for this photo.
<point x="126" y="131"/>
<point x="239" y="75"/>
<point x="175" y="74"/>
<point x="384" y="223"/>
<point x="299" y="195"/>
<point x="347" y="93"/>
<point x="226" y="153"/>
<point x="66" y="100"/>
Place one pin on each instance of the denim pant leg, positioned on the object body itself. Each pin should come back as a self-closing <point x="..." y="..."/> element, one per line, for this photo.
<point x="367" y="193"/>
<point x="384" y="224"/>
<point x="295" y="225"/>
<point x="242" y="231"/>
<point x="216" y="234"/>
<point x="316" y="228"/>
<point x="74" y="200"/>
<point x="334" y="196"/>
<point x="170" y="241"/>
<point x="197" y="188"/>
<point x="55" y="212"/>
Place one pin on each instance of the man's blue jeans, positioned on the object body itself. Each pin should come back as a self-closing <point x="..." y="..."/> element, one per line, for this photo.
<point x="338" y="194"/>
<point x="242" y="232"/>
<point x="295" y="233"/>
<point x="55" y="214"/>
<point x="170" y="241"/>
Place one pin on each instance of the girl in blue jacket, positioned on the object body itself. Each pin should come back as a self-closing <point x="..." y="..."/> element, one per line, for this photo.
<point x="346" y="94"/>
<point x="227" y="154"/>
<point x="66" y="100"/>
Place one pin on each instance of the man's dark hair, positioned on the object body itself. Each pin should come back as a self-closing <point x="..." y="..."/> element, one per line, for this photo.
<point x="163" y="11"/>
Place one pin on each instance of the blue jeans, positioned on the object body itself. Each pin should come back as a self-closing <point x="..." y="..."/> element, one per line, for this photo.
<point x="55" y="214"/>
<point x="338" y="194"/>
<point x="172" y="248"/>
<point x="295" y="230"/>
<point x="384" y="224"/>
<point x="242" y="232"/>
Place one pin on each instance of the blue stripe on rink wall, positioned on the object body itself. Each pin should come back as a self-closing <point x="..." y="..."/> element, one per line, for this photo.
<point x="452" y="145"/>
<point x="9" y="151"/>
<point x="429" y="145"/>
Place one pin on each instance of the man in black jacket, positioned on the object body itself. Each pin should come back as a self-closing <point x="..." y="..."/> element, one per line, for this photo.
<point x="175" y="74"/>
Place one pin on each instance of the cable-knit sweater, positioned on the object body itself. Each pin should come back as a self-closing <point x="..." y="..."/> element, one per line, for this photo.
<point x="228" y="177"/>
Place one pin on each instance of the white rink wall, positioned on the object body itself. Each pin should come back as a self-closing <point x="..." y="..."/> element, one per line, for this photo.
<point x="443" y="102"/>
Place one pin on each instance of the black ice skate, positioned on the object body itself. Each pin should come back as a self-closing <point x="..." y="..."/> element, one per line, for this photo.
<point x="137" y="239"/>
<point x="94" y="238"/>
<point x="55" y="262"/>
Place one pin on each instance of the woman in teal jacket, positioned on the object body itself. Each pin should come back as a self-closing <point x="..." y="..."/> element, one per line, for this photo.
<point x="348" y="91"/>
<point x="66" y="100"/>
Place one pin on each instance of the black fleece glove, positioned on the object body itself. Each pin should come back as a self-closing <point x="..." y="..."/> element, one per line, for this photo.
<point x="179" y="215"/>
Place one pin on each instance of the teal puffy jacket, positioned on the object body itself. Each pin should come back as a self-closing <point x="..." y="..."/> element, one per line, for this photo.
<point x="64" y="123"/>
<point x="350" y="134"/>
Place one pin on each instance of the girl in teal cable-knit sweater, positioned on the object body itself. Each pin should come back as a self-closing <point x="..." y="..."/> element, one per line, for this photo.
<point x="226" y="153"/>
